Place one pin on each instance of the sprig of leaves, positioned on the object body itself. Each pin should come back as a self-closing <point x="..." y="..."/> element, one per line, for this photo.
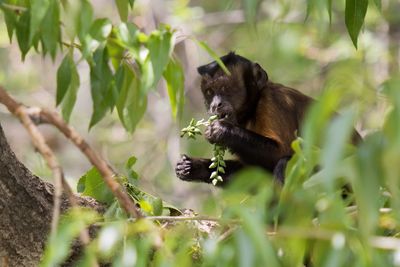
<point x="218" y="164"/>
<point x="217" y="161"/>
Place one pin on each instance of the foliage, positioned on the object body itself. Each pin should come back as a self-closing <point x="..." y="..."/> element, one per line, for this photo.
<point x="217" y="161"/>
<point x="124" y="62"/>
<point x="340" y="204"/>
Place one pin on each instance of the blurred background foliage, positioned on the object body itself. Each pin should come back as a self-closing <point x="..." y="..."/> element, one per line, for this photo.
<point x="308" y="45"/>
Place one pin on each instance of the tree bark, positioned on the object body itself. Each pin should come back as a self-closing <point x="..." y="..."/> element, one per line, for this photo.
<point x="26" y="204"/>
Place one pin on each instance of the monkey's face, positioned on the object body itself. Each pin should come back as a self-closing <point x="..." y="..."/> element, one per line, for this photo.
<point x="224" y="95"/>
<point x="232" y="97"/>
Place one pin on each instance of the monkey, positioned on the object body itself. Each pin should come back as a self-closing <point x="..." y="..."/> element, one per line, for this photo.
<point x="257" y="119"/>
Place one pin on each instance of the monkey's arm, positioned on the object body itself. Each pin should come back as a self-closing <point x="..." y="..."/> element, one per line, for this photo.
<point x="197" y="170"/>
<point x="252" y="148"/>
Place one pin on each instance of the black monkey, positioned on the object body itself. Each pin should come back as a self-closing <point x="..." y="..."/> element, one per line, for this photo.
<point x="258" y="119"/>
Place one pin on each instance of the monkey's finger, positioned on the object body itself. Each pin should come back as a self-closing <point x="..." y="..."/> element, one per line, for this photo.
<point x="184" y="157"/>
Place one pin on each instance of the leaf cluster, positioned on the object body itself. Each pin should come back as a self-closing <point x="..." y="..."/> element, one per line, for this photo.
<point x="217" y="161"/>
<point x="125" y="63"/>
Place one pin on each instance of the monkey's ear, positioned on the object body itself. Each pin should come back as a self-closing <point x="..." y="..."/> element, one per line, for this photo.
<point x="209" y="69"/>
<point x="260" y="76"/>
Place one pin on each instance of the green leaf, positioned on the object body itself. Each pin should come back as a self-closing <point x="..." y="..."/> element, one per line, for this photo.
<point x="346" y="169"/>
<point x="101" y="87"/>
<point x="368" y="182"/>
<point x="252" y="226"/>
<point x="309" y="9"/>
<point x="22" y="32"/>
<point x="69" y="100"/>
<point x="213" y="55"/>
<point x="131" y="105"/>
<point x="101" y="29"/>
<point x="38" y="11"/>
<point x="157" y="206"/>
<point x="145" y="206"/>
<point x="132" y="175"/>
<point x="71" y="224"/>
<point x="63" y="78"/>
<point x="337" y="135"/>
<point x="246" y="255"/>
<point x="128" y="34"/>
<point x="84" y="19"/>
<point x="10" y="19"/>
<point x="146" y="75"/>
<point x="130" y="162"/>
<point x="160" y="45"/>
<point x="131" y="2"/>
<point x="174" y="77"/>
<point x="329" y="8"/>
<point x="67" y="85"/>
<point x="89" y="257"/>
<point x="378" y="4"/>
<point x="51" y="33"/>
<point x="94" y="186"/>
<point x="78" y="20"/>
<point x="80" y="187"/>
<point x="354" y="17"/>
<point x="123" y="9"/>
<point x="250" y="10"/>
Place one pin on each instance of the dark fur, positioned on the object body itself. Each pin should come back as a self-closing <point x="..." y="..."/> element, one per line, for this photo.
<point x="258" y="119"/>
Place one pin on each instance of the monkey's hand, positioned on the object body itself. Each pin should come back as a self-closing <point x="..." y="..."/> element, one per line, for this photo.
<point x="217" y="131"/>
<point x="192" y="169"/>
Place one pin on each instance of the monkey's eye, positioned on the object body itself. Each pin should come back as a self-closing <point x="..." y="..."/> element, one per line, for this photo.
<point x="208" y="92"/>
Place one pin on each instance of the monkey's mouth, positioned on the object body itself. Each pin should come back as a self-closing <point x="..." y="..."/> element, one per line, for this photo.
<point x="227" y="116"/>
<point x="224" y="115"/>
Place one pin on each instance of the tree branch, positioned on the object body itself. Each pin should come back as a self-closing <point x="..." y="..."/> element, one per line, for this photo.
<point x="45" y="116"/>
<point x="40" y="144"/>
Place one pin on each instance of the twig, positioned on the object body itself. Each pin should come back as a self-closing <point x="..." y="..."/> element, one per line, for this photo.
<point x="47" y="116"/>
<point x="75" y="45"/>
<point x="40" y="144"/>
<point x="380" y="242"/>
<point x="187" y="218"/>
<point x="14" y="7"/>
<point x="227" y="233"/>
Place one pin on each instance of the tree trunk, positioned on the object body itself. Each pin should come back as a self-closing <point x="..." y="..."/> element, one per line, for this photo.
<point x="26" y="204"/>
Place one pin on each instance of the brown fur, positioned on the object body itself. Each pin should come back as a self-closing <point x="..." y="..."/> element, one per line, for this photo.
<point x="279" y="114"/>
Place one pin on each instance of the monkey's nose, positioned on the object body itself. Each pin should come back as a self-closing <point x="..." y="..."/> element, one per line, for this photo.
<point x="216" y="106"/>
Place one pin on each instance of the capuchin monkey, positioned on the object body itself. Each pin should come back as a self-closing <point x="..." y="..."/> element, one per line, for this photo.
<point x="257" y="119"/>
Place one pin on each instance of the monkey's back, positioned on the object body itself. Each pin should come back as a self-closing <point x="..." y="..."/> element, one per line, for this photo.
<point x="279" y="114"/>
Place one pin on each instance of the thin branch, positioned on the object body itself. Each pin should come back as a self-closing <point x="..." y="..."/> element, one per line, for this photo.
<point x="14" y="7"/>
<point x="227" y="233"/>
<point x="40" y="144"/>
<point x="380" y="242"/>
<point x="182" y="218"/>
<point x="188" y="218"/>
<point x="47" y="116"/>
<point x="74" y="45"/>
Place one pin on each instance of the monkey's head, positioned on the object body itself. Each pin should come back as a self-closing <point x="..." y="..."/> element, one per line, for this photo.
<point x="232" y="97"/>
